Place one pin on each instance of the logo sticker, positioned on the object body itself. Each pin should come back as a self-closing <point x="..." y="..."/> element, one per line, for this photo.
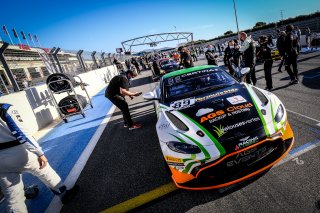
<point x="211" y="116"/>
<point x="238" y="99"/>
<point x="204" y="111"/>
<point x="219" y="130"/>
<point x="173" y="159"/>
<point x="246" y="141"/>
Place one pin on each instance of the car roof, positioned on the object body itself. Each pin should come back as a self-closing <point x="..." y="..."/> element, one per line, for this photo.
<point x="187" y="70"/>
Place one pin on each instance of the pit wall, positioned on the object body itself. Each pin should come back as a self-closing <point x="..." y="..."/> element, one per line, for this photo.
<point x="36" y="106"/>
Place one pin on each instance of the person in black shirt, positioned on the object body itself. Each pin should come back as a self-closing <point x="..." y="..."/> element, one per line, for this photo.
<point x="185" y="58"/>
<point x="290" y="48"/>
<point x="265" y="54"/>
<point x="280" y="47"/>
<point x="212" y="60"/>
<point x="248" y="50"/>
<point x="116" y="91"/>
<point x="228" y="56"/>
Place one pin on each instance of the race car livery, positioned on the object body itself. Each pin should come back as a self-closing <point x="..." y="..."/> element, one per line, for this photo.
<point x="214" y="131"/>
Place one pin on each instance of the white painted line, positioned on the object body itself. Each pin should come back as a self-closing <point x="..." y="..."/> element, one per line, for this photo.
<point x="297" y="154"/>
<point x="304" y="116"/>
<point x="56" y="205"/>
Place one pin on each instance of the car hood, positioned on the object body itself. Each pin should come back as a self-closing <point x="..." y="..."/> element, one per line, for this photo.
<point x="228" y="114"/>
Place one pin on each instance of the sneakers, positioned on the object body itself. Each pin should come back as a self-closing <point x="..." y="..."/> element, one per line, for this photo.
<point x="70" y="194"/>
<point x="125" y="125"/>
<point x="294" y="82"/>
<point x="135" y="126"/>
<point x="279" y="70"/>
<point x="268" y="89"/>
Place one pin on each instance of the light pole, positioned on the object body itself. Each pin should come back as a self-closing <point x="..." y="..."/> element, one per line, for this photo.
<point x="235" y="13"/>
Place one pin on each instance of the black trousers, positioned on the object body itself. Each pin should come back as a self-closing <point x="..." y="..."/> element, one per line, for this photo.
<point x="267" y="72"/>
<point x="251" y="76"/>
<point x="121" y="103"/>
<point x="291" y="60"/>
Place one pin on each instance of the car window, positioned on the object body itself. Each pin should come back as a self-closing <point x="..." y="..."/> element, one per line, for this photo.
<point x="178" y="86"/>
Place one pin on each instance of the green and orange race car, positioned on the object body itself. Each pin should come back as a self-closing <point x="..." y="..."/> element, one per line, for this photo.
<point x="215" y="131"/>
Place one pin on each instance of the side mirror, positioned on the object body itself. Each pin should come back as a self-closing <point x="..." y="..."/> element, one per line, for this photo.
<point x="245" y="70"/>
<point x="150" y="96"/>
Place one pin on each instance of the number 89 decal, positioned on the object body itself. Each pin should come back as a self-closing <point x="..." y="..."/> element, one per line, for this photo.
<point x="185" y="103"/>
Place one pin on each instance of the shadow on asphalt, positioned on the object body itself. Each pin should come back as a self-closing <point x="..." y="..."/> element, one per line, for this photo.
<point x="193" y="198"/>
<point x="309" y="80"/>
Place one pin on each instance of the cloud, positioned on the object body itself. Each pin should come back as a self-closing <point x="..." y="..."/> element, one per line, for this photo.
<point x="204" y="111"/>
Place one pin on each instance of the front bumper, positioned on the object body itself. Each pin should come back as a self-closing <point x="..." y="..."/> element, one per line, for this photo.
<point x="237" y="166"/>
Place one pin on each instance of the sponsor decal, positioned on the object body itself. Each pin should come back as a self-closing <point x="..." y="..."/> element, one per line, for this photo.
<point x="176" y="164"/>
<point x="198" y="72"/>
<point x="15" y="112"/>
<point x="163" y="126"/>
<point x="241" y="124"/>
<point x="247" y="155"/>
<point x="219" y="131"/>
<point x="246" y="141"/>
<point x="221" y="114"/>
<point x="238" y="99"/>
<point x="216" y="94"/>
<point x="211" y="116"/>
<point x="181" y="104"/>
<point x="204" y="111"/>
<point x="173" y="159"/>
<point x="263" y="111"/>
<point x="239" y="107"/>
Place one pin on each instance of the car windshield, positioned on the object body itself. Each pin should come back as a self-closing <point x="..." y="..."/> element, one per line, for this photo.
<point x="181" y="86"/>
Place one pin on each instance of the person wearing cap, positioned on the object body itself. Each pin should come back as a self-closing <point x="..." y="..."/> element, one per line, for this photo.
<point x="20" y="152"/>
<point x="116" y="91"/>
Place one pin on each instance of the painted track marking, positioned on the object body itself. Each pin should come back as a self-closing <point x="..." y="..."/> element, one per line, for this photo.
<point x="318" y="122"/>
<point x="170" y="187"/>
<point x="56" y="205"/>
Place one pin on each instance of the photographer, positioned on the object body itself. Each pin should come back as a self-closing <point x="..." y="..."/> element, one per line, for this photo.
<point x="116" y="91"/>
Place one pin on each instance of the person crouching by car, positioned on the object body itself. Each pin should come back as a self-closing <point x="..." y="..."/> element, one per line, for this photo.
<point x="116" y="91"/>
<point x="265" y="54"/>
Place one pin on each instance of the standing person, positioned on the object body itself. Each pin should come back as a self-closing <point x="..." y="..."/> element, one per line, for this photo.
<point x="308" y="37"/>
<point x="185" y="58"/>
<point x="116" y="91"/>
<point x="291" y="55"/>
<point x="136" y="64"/>
<point x="20" y="152"/>
<point x="297" y="33"/>
<point x="265" y="54"/>
<point x="228" y="56"/>
<point x="193" y="54"/>
<point x="248" y="50"/>
<point x="210" y="56"/>
<point x="281" y="48"/>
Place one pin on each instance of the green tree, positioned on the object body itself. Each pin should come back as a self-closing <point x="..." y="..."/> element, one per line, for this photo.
<point x="260" y="24"/>
<point x="228" y="32"/>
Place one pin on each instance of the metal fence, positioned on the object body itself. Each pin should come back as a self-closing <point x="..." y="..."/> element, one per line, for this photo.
<point x="31" y="66"/>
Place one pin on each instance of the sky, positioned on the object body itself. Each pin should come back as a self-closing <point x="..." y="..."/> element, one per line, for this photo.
<point x="101" y="25"/>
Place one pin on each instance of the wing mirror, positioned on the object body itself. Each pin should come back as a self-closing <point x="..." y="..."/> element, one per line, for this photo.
<point x="150" y="96"/>
<point x="245" y="70"/>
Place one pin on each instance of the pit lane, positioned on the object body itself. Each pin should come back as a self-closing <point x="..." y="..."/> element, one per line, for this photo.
<point x="126" y="167"/>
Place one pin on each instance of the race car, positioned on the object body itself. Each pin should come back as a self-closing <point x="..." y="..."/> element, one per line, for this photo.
<point x="169" y="65"/>
<point x="215" y="131"/>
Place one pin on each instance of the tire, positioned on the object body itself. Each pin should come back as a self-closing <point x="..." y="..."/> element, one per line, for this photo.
<point x="62" y="85"/>
<point x="70" y="105"/>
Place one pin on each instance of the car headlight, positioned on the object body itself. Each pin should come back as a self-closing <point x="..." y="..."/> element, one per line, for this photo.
<point x="183" y="148"/>
<point x="177" y="122"/>
<point x="280" y="113"/>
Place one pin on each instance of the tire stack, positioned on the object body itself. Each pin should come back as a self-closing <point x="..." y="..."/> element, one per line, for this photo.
<point x="72" y="104"/>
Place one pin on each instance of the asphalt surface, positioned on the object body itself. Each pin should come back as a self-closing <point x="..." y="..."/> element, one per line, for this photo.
<point x="126" y="164"/>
